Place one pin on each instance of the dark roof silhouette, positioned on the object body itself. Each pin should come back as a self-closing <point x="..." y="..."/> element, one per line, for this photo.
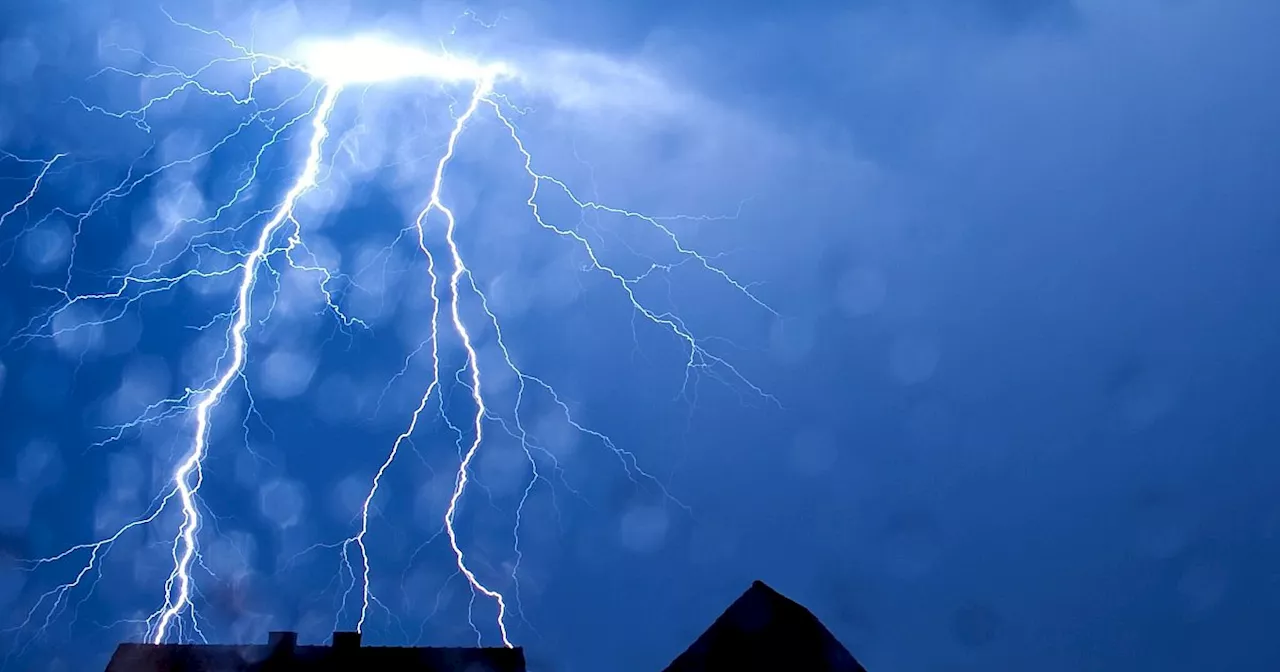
<point x="283" y="654"/>
<point x="763" y="630"/>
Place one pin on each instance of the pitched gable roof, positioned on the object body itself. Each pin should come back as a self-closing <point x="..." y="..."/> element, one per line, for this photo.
<point x="764" y="630"/>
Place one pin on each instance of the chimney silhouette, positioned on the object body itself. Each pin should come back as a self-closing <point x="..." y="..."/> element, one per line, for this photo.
<point x="281" y="644"/>
<point x="282" y="639"/>
<point x="346" y="640"/>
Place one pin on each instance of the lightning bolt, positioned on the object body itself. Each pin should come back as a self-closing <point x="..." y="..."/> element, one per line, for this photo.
<point x="210" y="254"/>
<point x="189" y="475"/>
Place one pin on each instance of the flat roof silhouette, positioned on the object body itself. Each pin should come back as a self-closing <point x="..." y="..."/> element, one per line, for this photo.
<point x="764" y="630"/>
<point x="282" y="653"/>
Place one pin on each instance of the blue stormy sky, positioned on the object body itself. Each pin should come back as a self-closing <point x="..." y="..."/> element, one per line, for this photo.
<point x="1023" y="254"/>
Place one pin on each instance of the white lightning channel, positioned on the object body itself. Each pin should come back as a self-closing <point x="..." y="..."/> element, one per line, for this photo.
<point x="473" y="363"/>
<point x="483" y="86"/>
<point x="185" y="546"/>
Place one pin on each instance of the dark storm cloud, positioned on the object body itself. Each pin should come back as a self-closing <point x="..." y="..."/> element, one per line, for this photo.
<point x="1009" y="15"/>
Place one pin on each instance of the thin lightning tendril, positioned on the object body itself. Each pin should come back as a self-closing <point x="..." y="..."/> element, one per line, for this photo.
<point x="332" y="67"/>
<point x="45" y="167"/>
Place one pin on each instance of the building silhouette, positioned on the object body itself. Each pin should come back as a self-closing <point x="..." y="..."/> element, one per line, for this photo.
<point x="282" y="653"/>
<point x="761" y="631"/>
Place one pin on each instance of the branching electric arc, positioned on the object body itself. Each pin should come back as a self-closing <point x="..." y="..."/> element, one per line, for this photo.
<point x="275" y="236"/>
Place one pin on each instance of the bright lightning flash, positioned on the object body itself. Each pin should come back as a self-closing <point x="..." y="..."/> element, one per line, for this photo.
<point x="331" y="66"/>
<point x="371" y="59"/>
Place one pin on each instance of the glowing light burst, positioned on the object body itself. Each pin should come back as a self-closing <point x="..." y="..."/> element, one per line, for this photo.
<point x="371" y="59"/>
<point x="332" y="65"/>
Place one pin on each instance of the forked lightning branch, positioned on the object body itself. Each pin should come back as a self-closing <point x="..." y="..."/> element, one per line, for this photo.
<point x="333" y="67"/>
